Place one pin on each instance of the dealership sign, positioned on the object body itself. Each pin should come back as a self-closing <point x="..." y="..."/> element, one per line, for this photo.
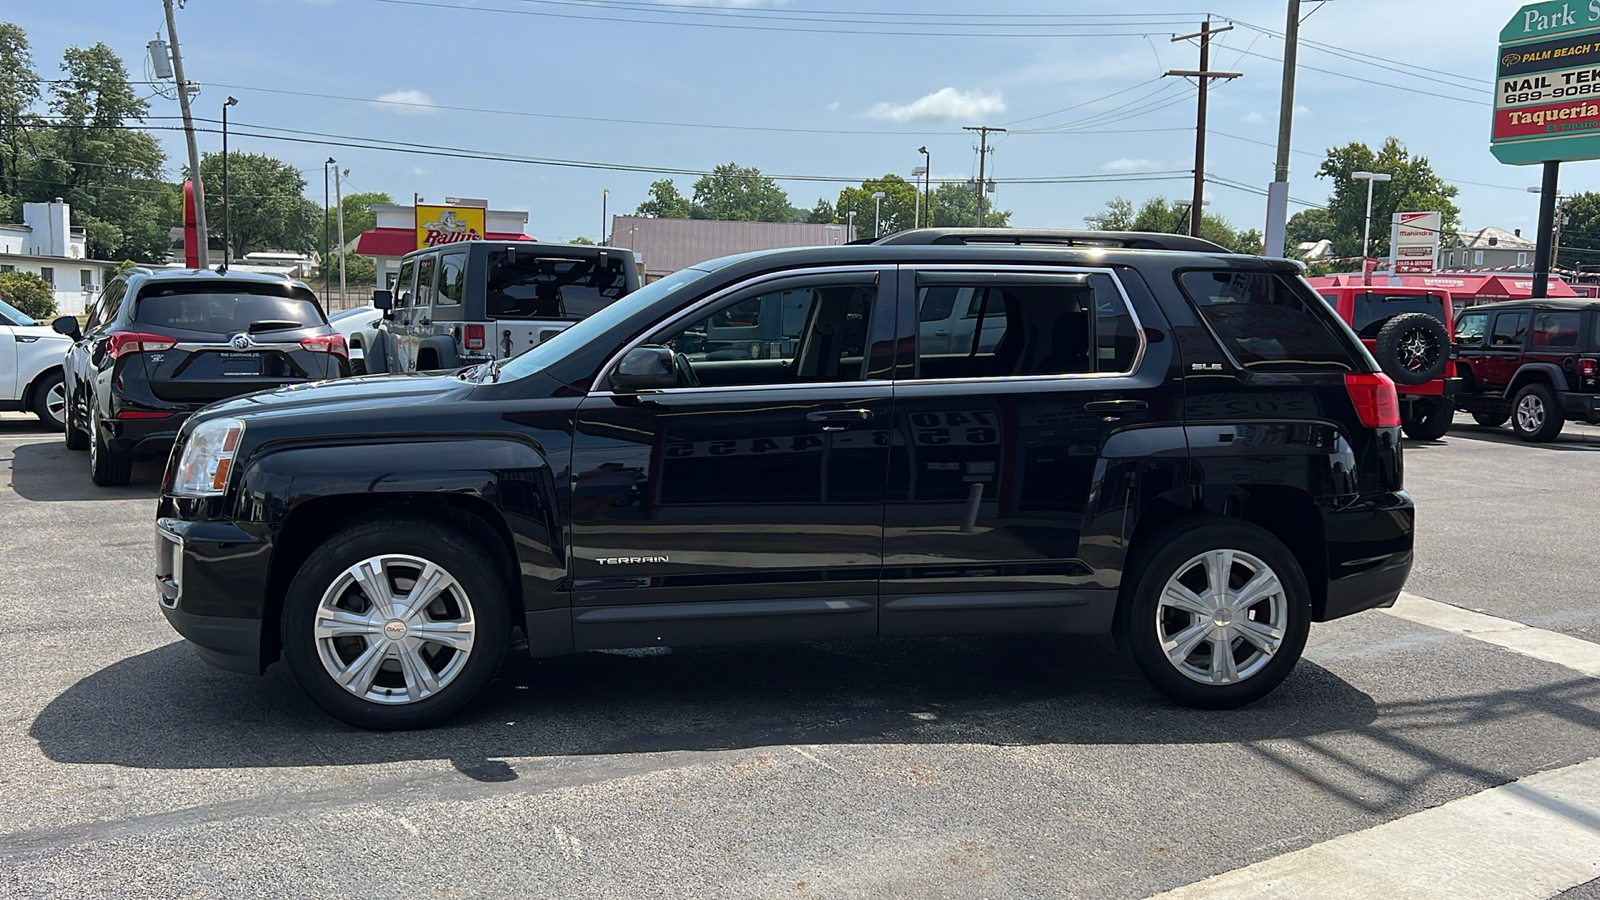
<point x="447" y="224"/>
<point x="1414" y="242"/>
<point x="1547" y="95"/>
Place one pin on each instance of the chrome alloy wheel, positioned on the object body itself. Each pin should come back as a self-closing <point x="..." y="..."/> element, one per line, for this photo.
<point x="1530" y="412"/>
<point x="1222" y="617"/>
<point x="394" y="629"/>
<point x="55" y="403"/>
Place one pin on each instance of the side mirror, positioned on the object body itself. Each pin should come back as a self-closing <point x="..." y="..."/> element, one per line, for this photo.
<point x="648" y="368"/>
<point x="383" y="300"/>
<point x="67" y="325"/>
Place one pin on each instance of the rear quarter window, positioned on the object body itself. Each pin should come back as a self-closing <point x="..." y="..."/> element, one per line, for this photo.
<point x="1267" y="323"/>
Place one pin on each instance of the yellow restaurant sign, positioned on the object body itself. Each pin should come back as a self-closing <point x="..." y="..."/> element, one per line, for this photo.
<point x="447" y="224"/>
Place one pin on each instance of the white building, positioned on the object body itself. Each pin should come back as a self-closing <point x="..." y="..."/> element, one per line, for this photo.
<point x="47" y="245"/>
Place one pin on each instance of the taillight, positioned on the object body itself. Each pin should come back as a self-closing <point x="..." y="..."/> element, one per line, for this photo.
<point x="326" y="343"/>
<point x="1375" y="399"/>
<point x="119" y="343"/>
<point x="1589" y="367"/>
<point x="474" y="337"/>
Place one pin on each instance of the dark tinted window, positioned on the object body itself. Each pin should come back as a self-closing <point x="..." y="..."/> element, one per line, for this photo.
<point x="452" y="279"/>
<point x="226" y="308"/>
<point x="937" y="304"/>
<point x="105" y="309"/>
<point x="1267" y="322"/>
<point x="1509" y="329"/>
<point x="425" y="268"/>
<point x="1037" y="325"/>
<point x="405" y="286"/>
<point x="1373" y="309"/>
<point x="530" y="286"/>
<point x="1470" y="328"/>
<point x="1556" y="330"/>
<point x="805" y="334"/>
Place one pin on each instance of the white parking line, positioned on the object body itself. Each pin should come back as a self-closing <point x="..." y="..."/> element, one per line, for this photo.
<point x="1574" y="653"/>
<point x="1532" y="838"/>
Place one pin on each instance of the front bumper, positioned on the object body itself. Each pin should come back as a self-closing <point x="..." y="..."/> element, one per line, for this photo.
<point x="210" y="582"/>
<point x="1369" y="553"/>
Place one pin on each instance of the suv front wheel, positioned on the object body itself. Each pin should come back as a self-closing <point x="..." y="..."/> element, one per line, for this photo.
<point x="1534" y="415"/>
<point x="1219" y="613"/>
<point x="396" y="622"/>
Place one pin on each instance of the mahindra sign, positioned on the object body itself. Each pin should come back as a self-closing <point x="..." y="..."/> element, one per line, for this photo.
<point x="1414" y="242"/>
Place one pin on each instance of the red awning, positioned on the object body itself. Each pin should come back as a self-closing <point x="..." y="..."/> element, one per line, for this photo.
<point x="400" y="241"/>
<point x="1466" y="288"/>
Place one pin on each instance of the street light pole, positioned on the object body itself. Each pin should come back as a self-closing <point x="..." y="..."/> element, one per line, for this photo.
<point x="927" y="181"/>
<point x="605" y="197"/>
<point x="1366" y="225"/>
<point x="877" y="214"/>
<point x="849" y="226"/>
<point x="327" y="273"/>
<point x="338" y="206"/>
<point x="916" y="218"/>
<point x="227" y="233"/>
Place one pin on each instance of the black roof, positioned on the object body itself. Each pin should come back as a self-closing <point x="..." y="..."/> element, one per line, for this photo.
<point x="1127" y="240"/>
<point x="211" y="275"/>
<point x="1565" y="303"/>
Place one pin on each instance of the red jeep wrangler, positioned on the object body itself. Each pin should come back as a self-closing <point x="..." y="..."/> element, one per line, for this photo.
<point x="1535" y="362"/>
<point x="1408" y="331"/>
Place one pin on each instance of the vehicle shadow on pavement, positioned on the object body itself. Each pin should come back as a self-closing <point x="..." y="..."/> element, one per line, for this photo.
<point x="48" y="472"/>
<point x="165" y="709"/>
<point x="1567" y="440"/>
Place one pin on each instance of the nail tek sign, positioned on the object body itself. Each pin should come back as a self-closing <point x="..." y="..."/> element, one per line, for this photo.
<point x="1547" y="96"/>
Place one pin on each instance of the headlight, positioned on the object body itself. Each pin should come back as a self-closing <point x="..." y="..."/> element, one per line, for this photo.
<point x="208" y="459"/>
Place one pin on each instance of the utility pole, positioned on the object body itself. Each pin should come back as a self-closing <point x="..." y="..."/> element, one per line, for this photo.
<point x="327" y="273"/>
<point x="983" y="156"/>
<point x="338" y="205"/>
<point x="1278" y="191"/>
<point x="188" y="134"/>
<point x="1204" y="76"/>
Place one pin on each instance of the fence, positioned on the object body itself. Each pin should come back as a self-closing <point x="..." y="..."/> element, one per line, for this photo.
<point x="355" y="295"/>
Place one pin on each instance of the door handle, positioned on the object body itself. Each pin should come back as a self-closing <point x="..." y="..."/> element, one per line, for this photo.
<point x="1115" y="407"/>
<point x="835" y="419"/>
<point x="943" y="332"/>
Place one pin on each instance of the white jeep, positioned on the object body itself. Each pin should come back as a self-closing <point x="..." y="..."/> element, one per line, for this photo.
<point x="30" y="367"/>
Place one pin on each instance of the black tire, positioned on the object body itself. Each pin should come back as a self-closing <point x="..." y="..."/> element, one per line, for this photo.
<point x="1412" y="348"/>
<point x="1491" y="420"/>
<point x="76" y="437"/>
<point x="358" y="367"/>
<point x="48" y="402"/>
<point x="1144" y="622"/>
<point x="478" y="592"/>
<point x="374" y="355"/>
<point x="1534" y="414"/>
<point x="1427" y="418"/>
<point x="107" y="467"/>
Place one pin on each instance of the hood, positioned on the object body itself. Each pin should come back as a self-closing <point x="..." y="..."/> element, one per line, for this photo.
<point x="43" y="334"/>
<point x="349" y="400"/>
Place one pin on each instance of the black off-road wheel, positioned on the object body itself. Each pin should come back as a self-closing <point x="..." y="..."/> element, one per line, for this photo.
<point x="1427" y="418"/>
<point x="1412" y="348"/>
<point x="396" y="622"/>
<point x="1218" y="612"/>
<point x="1491" y="419"/>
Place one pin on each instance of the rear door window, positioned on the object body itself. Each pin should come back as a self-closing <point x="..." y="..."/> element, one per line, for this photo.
<point x="452" y="279"/>
<point x="526" y="285"/>
<point x="224" y="309"/>
<point x="1267" y="323"/>
<point x="1373" y="309"/>
<point x="1555" y="330"/>
<point x="1509" y="329"/>
<point x="425" y="268"/>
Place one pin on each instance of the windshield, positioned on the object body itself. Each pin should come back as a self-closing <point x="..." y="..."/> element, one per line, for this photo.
<point x="557" y="347"/>
<point x="10" y="315"/>
<point x="227" y="308"/>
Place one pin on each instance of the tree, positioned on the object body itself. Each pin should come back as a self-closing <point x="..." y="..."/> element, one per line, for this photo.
<point x="821" y="214"/>
<point x="956" y="206"/>
<point x="1308" y="226"/>
<point x="29" y="293"/>
<point x="1118" y="216"/>
<point x="1580" y="235"/>
<point x="665" y="202"/>
<point x="580" y="239"/>
<point x="269" y="207"/>
<point x="19" y="91"/>
<point x="357" y="218"/>
<point x="358" y="269"/>
<point x="1414" y="187"/>
<point x="741" y="194"/>
<point x="1163" y="216"/>
<point x="899" y="205"/>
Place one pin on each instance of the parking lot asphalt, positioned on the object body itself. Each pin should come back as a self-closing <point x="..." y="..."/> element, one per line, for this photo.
<point x="1002" y="767"/>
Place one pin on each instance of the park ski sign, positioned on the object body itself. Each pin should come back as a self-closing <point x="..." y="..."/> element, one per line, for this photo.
<point x="1547" y="95"/>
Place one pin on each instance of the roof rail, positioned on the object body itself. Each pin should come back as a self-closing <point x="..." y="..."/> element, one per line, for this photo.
<point x="1128" y="240"/>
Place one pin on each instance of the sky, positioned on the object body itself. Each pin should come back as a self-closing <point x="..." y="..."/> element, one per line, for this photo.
<point x="822" y="92"/>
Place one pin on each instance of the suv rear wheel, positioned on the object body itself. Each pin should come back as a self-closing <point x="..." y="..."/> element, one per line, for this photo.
<point x="1218" y="615"/>
<point x="1427" y="418"/>
<point x="1535" y="417"/>
<point x="1491" y="420"/>
<point x="395" y="622"/>
<point x="107" y="467"/>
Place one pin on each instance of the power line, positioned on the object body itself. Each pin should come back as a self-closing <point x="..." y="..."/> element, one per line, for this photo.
<point x="1385" y="84"/>
<point x="1365" y="58"/>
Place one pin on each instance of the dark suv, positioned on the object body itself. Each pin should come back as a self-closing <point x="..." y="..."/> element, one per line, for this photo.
<point x="159" y="345"/>
<point x="473" y="301"/>
<point x="1535" y="362"/>
<point x="1186" y="448"/>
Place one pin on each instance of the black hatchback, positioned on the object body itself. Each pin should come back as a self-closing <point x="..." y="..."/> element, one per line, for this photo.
<point x="159" y="345"/>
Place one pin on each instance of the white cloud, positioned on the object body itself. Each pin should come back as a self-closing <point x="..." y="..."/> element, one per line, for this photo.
<point x="1252" y="118"/>
<point x="833" y="106"/>
<point x="408" y="103"/>
<point x="417" y="170"/>
<point x="1130" y="165"/>
<point x="946" y="103"/>
<point x="1302" y="110"/>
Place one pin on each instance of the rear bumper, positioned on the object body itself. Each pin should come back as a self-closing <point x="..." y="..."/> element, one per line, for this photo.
<point x="210" y="579"/>
<point x="1578" y="405"/>
<point x="1439" y="387"/>
<point x="1369" y="553"/>
<point x="145" y="436"/>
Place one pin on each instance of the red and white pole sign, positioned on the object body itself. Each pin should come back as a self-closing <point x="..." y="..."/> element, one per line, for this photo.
<point x="1414" y="243"/>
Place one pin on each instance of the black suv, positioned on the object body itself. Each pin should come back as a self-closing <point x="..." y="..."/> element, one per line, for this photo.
<point x="1535" y="362"/>
<point x="1186" y="448"/>
<point x="159" y="345"/>
<point x="473" y="301"/>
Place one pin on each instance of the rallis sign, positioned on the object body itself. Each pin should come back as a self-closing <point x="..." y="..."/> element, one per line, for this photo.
<point x="1547" y="95"/>
<point x="447" y="224"/>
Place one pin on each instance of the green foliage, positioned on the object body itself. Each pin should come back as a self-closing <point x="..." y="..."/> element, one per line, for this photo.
<point x="121" y="267"/>
<point x="1118" y="216"/>
<point x="1163" y="216"/>
<point x="899" y="205"/>
<point x="1307" y="226"/>
<point x="580" y="239"/>
<point x="955" y="206"/>
<point x="357" y="218"/>
<point x="665" y="202"/>
<point x="1580" y="236"/>
<point x="358" y="269"/>
<point x="269" y="207"/>
<point x="821" y="214"/>
<point x="19" y="91"/>
<point x="28" y="293"/>
<point x="740" y="194"/>
<point x="1415" y="187"/>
